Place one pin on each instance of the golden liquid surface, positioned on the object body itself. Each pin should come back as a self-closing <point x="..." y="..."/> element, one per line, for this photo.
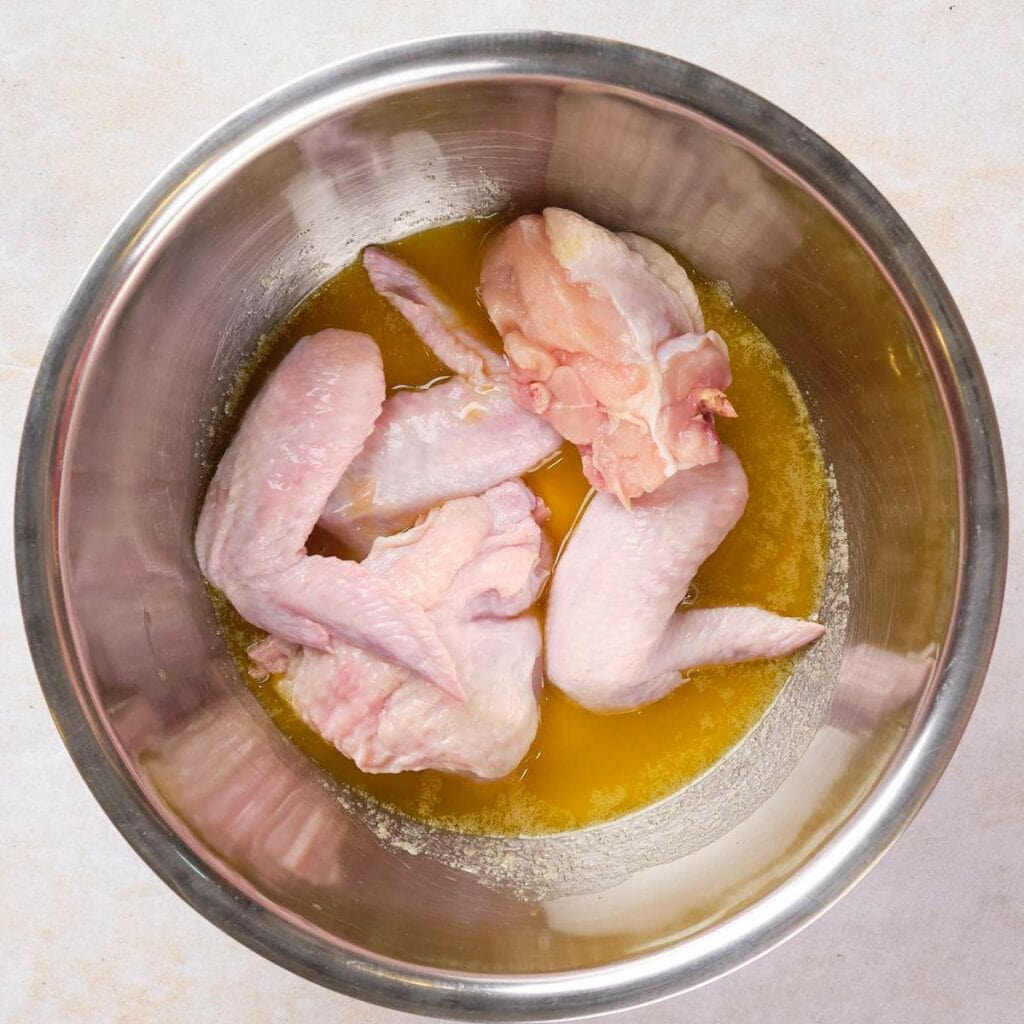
<point x="584" y="767"/>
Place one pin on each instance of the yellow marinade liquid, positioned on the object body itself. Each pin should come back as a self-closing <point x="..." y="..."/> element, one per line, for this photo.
<point x="584" y="767"/>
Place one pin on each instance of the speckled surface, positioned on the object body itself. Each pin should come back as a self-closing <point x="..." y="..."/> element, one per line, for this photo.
<point x="926" y="98"/>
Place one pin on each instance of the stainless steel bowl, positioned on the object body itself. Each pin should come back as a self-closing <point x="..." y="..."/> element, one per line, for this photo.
<point x="125" y="423"/>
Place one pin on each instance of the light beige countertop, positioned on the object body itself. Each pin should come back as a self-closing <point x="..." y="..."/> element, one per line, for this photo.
<point x="926" y="98"/>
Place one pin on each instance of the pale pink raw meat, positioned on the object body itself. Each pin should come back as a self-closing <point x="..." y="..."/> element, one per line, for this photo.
<point x="453" y="439"/>
<point x="297" y="438"/>
<point x="438" y="325"/>
<point x="606" y="341"/>
<point x="473" y="565"/>
<point x="614" y="637"/>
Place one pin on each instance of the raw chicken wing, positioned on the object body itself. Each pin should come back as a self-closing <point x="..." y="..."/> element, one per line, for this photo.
<point x="450" y="440"/>
<point x="614" y="637"/>
<point x="473" y="565"/>
<point x="606" y="341"/>
<point x="306" y="425"/>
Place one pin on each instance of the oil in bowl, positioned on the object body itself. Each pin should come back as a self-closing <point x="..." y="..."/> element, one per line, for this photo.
<point x="584" y="768"/>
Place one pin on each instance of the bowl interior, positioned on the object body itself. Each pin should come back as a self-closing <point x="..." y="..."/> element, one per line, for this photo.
<point x="268" y="213"/>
